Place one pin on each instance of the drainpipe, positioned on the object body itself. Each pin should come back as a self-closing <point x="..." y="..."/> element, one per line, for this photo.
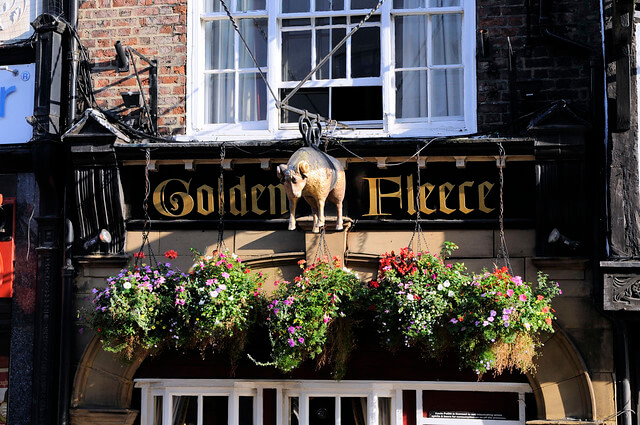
<point x="72" y="15"/>
<point x="623" y="372"/>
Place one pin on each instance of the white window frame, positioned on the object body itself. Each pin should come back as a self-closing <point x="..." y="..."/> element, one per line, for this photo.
<point x="272" y="129"/>
<point x="303" y="389"/>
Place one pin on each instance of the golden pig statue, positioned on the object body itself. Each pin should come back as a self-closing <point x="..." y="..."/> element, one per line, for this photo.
<point x="316" y="177"/>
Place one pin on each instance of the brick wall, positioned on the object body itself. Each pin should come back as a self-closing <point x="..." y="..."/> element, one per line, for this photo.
<point x="546" y="71"/>
<point x="156" y="29"/>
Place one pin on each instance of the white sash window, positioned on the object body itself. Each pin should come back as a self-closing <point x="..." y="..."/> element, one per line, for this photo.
<point x="408" y="71"/>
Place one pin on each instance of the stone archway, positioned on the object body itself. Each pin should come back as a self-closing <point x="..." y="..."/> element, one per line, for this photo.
<point x="103" y="385"/>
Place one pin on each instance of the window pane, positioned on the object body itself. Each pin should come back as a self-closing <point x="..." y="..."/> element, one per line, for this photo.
<point x="246" y="5"/>
<point x="357" y="19"/>
<point x="353" y="410"/>
<point x="408" y="4"/>
<point x="211" y="6"/>
<point x="219" y="98"/>
<point x="254" y="32"/>
<point x="411" y="94"/>
<point x="444" y="3"/>
<point x="296" y="22"/>
<point x="245" y="410"/>
<point x="411" y="41"/>
<point x="157" y="410"/>
<point x="356" y="103"/>
<point x="293" y="6"/>
<point x="294" y="417"/>
<point x="363" y="4"/>
<point x="296" y="55"/>
<point x="446" y="31"/>
<point x="322" y="410"/>
<point x="325" y="41"/>
<point x="215" y="410"/>
<point x="252" y="98"/>
<point x="185" y="410"/>
<point x="220" y="39"/>
<point x="313" y="100"/>
<point x="446" y="93"/>
<point x="329" y="5"/>
<point x="365" y="53"/>
<point x="384" y="410"/>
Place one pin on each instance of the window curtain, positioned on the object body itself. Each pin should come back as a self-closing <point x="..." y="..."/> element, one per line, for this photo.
<point x="219" y="96"/>
<point x="446" y="90"/>
<point x="384" y="410"/>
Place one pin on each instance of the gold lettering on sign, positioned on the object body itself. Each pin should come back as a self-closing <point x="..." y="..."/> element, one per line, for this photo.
<point x="241" y="190"/>
<point x="424" y="196"/>
<point x="462" y="197"/>
<point x="375" y="196"/>
<point x="272" y="198"/>
<point x="256" y="193"/>
<point x="483" y="191"/>
<point x="205" y="208"/>
<point x="411" y="199"/>
<point x="445" y="190"/>
<point x="160" y="199"/>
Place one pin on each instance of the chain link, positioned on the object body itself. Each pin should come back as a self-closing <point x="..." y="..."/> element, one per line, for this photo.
<point x="503" y="252"/>
<point x="221" y="245"/>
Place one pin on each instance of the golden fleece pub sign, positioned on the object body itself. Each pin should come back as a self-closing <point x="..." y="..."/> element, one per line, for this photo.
<point x="251" y="193"/>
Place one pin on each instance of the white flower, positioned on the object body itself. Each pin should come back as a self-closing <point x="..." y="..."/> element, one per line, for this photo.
<point x="230" y="297"/>
<point x="410" y="297"/>
<point x="201" y="302"/>
<point x="234" y="255"/>
<point x="126" y="285"/>
<point x="451" y="293"/>
<point x="446" y="283"/>
<point x="214" y="294"/>
<point x="222" y="287"/>
<point x="440" y="287"/>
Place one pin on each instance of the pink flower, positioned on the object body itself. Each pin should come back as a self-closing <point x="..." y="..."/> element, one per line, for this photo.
<point x="229" y="266"/>
<point x="291" y="342"/>
<point x="225" y="275"/>
<point x="510" y="292"/>
<point x="517" y="280"/>
<point x="522" y="297"/>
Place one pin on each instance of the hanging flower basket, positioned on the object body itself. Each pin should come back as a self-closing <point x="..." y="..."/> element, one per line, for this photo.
<point x="216" y="301"/>
<point x="412" y="297"/>
<point x="134" y="311"/>
<point x="498" y="320"/>
<point x="154" y="307"/>
<point x="492" y="321"/>
<point x="311" y="317"/>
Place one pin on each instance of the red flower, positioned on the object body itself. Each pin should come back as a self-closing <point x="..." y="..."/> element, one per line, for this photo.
<point x="540" y="297"/>
<point x="372" y="307"/>
<point x="374" y="284"/>
<point x="138" y="255"/>
<point x="171" y="254"/>
<point x="548" y="320"/>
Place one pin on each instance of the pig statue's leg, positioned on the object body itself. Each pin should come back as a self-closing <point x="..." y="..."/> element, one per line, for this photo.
<point x="292" y="213"/>
<point x="314" y="207"/>
<point x="339" y="213"/>
<point x="321" y="213"/>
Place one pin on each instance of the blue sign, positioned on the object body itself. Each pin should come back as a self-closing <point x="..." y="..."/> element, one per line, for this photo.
<point x="4" y="92"/>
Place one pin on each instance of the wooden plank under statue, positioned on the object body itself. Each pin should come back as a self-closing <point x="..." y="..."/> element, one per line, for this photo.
<point x="315" y="176"/>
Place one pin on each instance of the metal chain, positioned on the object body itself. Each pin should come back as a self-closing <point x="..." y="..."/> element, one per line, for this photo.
<point x="221" y="245"/>
<point x="417" y="230"/>
<point x="502" y="251"/>
<point x="323" y="247"/>
<point x="146" y="228"/>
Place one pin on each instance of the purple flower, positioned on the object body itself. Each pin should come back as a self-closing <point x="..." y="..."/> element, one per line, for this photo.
<point x="287" y="302"/>
<point x="492" y="313"/>
<point x="506" y="324"/>
<point x="291" y="329"/>
<point x="454" y="320"/>
<point x="490" y="318"/>
<point x="95" y="291"/>
<point x="485" y="323"/>
<point x="301" y="340"/>
<point x="505" y="317"/>
<point x="291" y="342"/>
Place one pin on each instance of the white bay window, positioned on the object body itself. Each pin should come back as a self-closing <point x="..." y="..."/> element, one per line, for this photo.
<point x="309" y="402"/>
<point x="408" y="71"/>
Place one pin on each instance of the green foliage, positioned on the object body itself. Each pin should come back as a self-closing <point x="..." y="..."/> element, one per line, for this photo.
<point x="305" y="313"/>
<point x="153" y="307"/>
